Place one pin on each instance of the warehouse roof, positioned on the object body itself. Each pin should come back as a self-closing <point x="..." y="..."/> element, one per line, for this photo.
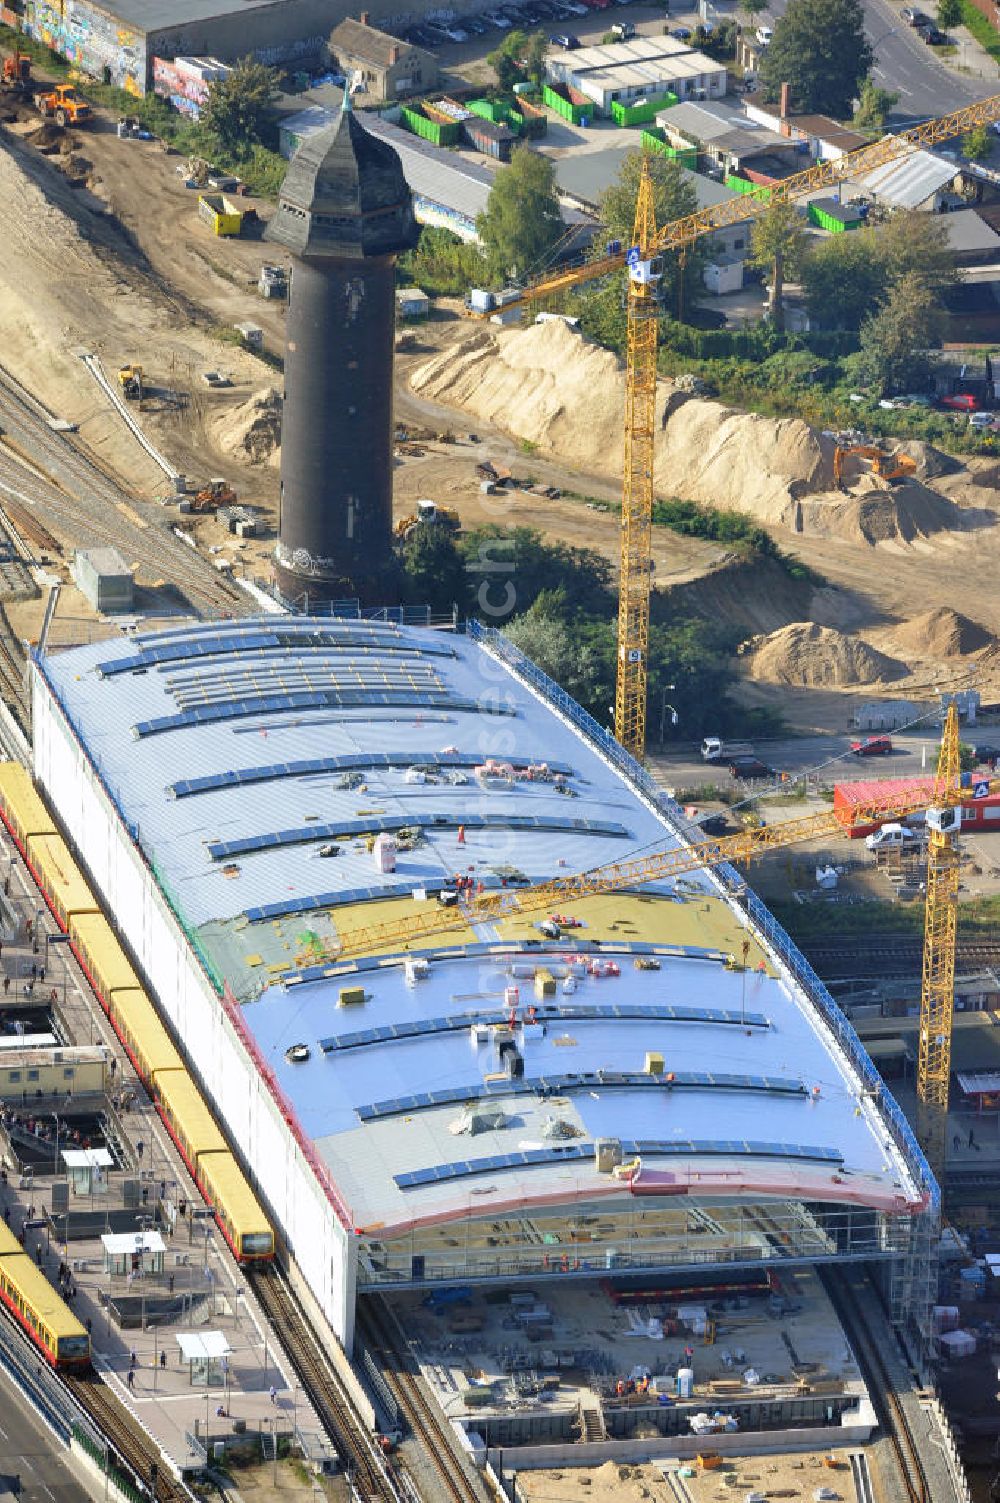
<point x="911" y="182"/>
<point x="584" y="175"/>
<point x="617" y="54"/>
<point x="254" y="761"/>
<point x="150" y="16"/>
<point x="970" y="234"/>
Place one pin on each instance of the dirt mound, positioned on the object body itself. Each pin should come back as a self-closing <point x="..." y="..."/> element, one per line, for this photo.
<point x="902" y="514"/>
<point x="942" y="633"/>
<point x="553" y="387"/>
<point x="253" y="429"/>
<point x="931" y="462"/>
<point x="817" y="657"/>
<point x="48" y="138"/>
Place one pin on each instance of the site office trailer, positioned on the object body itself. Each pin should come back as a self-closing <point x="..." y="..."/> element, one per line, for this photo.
<point x="305" y="1219"/>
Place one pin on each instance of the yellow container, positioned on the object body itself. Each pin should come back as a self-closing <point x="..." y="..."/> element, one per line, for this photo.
<point x="654" y="1063"/>
<point x="545" y="984"/>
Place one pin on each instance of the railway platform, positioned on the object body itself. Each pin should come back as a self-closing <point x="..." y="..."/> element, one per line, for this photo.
<point x="193" y="1287"/>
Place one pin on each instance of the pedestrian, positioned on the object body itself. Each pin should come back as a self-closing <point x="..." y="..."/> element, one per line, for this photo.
<point x="163" y="1357"/>
<point x="41" y="973"/>
<point x="138" y="1150"/>
<point x="38" y="1255"/>
<point x="6" y="985"/>
<point x="34" y="970"/>
<point x="972" y="1138"/>
<point x="114" y="1062"/>
<point x="170" y="1284"/>
<point x="90" y="1326"/>
<point x="132" y="1358"/>
<point x="956" y="1142"/>
<point x="131" y="1378"/>
<point x="273" y="1393"/>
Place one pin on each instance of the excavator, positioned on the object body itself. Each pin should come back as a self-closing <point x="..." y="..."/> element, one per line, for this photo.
<point x="428" y="514"/>
<point x="16" y="73"/>
<point x="63" y="105"/>
<point x="130" y="380"/>
<point x="216" y="493"/>
<point x="885" y="467"/>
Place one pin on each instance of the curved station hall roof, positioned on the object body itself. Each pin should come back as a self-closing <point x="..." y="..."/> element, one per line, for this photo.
<point x="291" y="779"/>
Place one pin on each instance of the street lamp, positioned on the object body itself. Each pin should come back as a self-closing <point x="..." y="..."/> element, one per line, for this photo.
<point x="55" y="1167"/>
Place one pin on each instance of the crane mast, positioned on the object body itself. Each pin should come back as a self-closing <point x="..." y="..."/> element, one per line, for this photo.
<point x="644" y="272"/>
<point x="937" y="992"/>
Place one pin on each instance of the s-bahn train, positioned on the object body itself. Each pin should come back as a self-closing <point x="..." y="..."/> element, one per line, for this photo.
<point x="134" y="1018"/>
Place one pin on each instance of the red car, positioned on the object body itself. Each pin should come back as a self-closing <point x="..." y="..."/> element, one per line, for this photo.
<point x="872" y="746"/>
<point x="961" y="402"/>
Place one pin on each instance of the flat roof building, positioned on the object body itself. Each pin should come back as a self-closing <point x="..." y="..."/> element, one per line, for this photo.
<point x="271" y="809"/>
<point x="646" y="67"/>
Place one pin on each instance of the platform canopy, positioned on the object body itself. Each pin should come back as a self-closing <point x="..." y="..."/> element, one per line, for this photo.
<point x="87" y="1158"/>
<point x="119" y="1244"/>
<point x="203" y="1346"/>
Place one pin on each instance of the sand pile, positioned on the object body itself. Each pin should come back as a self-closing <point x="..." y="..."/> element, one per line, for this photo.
<point x="901" y="514"/>
<point x="818" y="657"/>
<point x="253" y="429"/>
<point x="942" y="633"/>
<point x="552" y="386"/>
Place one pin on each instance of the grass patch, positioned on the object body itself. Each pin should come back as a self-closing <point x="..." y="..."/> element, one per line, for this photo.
<point x="977" y="917"/>
<point x="985" y="33"/>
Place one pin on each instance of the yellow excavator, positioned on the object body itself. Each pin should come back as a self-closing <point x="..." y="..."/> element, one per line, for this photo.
<point x="131" y="383"/>
<point x="428" y="514"/>
<point x="885" y="467"/>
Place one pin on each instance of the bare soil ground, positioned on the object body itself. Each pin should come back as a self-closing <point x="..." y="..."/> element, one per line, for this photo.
<point x="124" y="266"/>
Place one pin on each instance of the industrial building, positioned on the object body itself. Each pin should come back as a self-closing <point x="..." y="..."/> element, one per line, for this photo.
<point x="727" y="138"/>
<point x="645" y="68"/>
<point x="117" y="41"/>
<point x="650" y="1079"/>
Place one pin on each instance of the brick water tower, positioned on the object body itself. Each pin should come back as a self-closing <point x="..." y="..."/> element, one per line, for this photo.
<point x="345" y="213"/>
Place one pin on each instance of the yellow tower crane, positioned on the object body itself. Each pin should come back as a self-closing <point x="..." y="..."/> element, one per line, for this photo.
<point x="943" y="815"/>
<point x="937" y="990"/>
<point x="644" y="270"/>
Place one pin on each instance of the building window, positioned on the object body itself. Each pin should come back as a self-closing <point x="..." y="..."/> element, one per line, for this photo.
<point x="738" y="244"/>
<point x="13" y="1076"/>
<point x="32" y="1074"/>
<point x="69" y="1072"/>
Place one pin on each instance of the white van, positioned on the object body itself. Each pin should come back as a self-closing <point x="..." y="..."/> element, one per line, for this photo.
<point x="890" y="835"/>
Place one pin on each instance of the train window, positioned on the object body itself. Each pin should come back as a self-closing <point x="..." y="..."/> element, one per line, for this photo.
<point x="256" y="1242"/>
<point x="73" y="1346"/>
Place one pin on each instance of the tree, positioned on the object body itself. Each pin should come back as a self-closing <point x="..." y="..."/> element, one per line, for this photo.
<point x="239" y="111"/>
<point x="949" y="13"/>
<point x="522" y="221"/>
<point x="434" y="570"/>
<point x="777" y="244"/>
<point x="896" y="341"/>
<point x="820" y="50"/>
<point x="915" y="243"/>
<point x="976" y="143"/>
<point x="519" y="56"/>
<point x="753" y="8"/>
<point x="874" y="107"/>
<point x="844" y="280"/>
<point x="674" y="197"/>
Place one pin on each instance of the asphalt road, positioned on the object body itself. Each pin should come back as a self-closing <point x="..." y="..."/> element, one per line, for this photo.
<point x="29" y="1452"/>
<point x="907" y="65"/>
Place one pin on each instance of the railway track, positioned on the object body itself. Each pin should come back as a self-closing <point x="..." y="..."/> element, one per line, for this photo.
<point x="135" y="1448"/>
<point x="883" y="1389"/>
<point x="373" y="1482"/>
<point x="891" y="960"/>
<point x="421" y="1413"/>
<point x="68" y="485"/>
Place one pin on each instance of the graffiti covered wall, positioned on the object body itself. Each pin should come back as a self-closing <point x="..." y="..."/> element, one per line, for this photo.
<point x="92" y="40"/>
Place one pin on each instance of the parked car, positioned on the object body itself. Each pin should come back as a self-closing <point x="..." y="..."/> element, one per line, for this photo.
<point x="960" y="401"/>
<point x="715" y="824"/>
<point x="989" y="755"/>
<point x="475" y="25"/>
<point x="914" y="17"/>
<point x="496" y="19"/>
<point x="682" y="33"/>
<point x="764" y="35"/>
<point x="982" y="419"/>
<point x="872" y="746"/>
<point x="933" y="36"/>
<point x="623" y="31"/>
<point x="566" y="40"/>
<point x="749" y="767"/>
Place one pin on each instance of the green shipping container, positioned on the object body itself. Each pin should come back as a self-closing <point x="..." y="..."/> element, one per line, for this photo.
<point x="748" y="189"/>
<point x="429" y="130"/>
<point x="654" y="140"/>
<point x="836" y="224"/>
<point x="563" y="106"/>
<point x="642" y="113"/>
<point x="498" y="112"/>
